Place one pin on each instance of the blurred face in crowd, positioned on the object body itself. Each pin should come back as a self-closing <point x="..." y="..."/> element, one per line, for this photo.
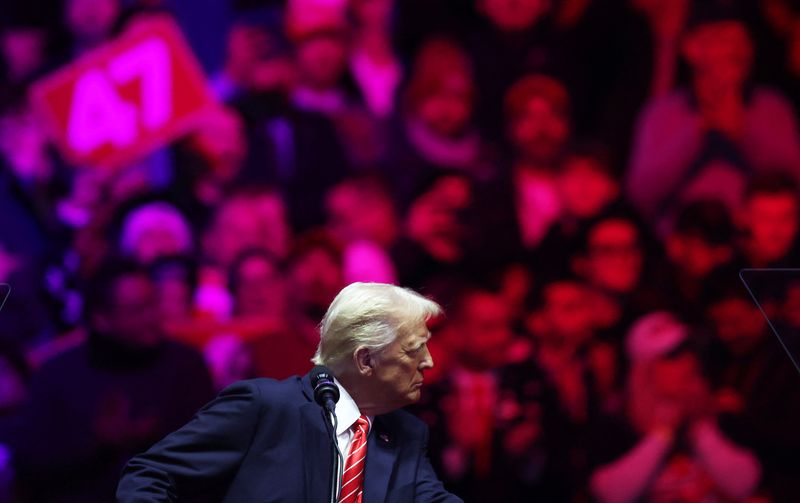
<point x="253" y="59"/>
<point x="738" y="323"/>
<point x="260" y="289"/>
<point x="316" y="278"/>
<point x="539" y="131"/>
<point x="695" y="256"/>
<point x="772" y="225"/>
<point x="233" y="231"/>
<point x="483" y="325"/>
<point x="720" y="53"/>
<point x="514" y="15"/>
<point x="243" y="222"/>
<point x="247" y="46"/>
<point x="447" y="111"/>
<point x="91" y="21"/>
<point x="132" y="315"/>
<point x="24" y="145"/>
<point x="361" y="211"/>
<point x="23" y="51"/>
<point x="615" y="255"/>
<point x="568" y="311"/>
<point x="321" y="60"/>
<point x="585" y="187"/>
<point x="174" y="298"/>
<point x="670" y="378"/>
<point x="270" y="212"/>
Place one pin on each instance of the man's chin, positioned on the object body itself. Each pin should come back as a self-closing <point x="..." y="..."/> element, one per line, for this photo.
<point x="414" y="396"/>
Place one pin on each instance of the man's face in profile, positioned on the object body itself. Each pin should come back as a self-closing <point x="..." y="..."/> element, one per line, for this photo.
<point x="399" y="368"/>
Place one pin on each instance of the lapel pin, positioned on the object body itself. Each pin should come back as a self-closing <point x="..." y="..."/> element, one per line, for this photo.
<point x="384" y="438"/>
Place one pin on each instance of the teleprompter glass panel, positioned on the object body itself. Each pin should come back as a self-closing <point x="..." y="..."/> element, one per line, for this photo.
<point x="777" y="294"/>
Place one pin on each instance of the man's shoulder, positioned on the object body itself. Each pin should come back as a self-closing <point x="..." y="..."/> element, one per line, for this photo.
<point x="405" y="424"/>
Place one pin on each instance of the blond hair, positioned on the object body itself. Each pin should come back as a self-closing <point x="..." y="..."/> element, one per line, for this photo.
<point x="370" y="315"/>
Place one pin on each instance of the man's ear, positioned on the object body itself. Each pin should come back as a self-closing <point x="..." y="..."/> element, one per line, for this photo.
<point x="365" y="361"/>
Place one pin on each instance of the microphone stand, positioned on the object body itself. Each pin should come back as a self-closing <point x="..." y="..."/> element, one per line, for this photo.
<point x="337" y="460"/>
<point x="326" y="394"/>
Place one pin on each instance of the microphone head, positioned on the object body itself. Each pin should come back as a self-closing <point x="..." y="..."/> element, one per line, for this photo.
<point x="323" y="385"/>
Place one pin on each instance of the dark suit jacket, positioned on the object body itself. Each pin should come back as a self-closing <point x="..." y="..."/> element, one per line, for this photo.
<point x="265" y="441"/>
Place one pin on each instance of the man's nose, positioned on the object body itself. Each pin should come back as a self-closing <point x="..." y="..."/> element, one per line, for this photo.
<point x="427" y="361"/>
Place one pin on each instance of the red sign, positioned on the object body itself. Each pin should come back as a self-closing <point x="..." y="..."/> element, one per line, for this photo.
<point x="126" y="98"/>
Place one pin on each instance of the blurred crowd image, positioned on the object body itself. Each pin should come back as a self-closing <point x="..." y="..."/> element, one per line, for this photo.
<point x="577" y="182"/>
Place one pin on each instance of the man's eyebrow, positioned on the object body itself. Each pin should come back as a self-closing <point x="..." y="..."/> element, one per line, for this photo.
<point x="421" y="343"/>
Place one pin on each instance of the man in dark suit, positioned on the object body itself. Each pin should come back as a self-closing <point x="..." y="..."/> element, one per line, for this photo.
<point x="91" y="407"/>
<point x="264" y="440"/>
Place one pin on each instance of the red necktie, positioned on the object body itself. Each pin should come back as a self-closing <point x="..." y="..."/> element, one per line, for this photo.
<point x="353" y="477"/>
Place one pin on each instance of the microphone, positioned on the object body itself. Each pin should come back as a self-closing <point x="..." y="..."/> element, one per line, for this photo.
<point x="326" y="393"/>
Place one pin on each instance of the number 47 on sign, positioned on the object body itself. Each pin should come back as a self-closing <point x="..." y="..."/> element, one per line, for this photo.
<point x="126" y="98"/>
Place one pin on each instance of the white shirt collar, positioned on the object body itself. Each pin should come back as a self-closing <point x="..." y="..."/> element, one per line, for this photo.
<point x="347" y="412"/>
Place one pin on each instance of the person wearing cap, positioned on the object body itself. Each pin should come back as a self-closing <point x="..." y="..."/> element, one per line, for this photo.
<point x="267" y="440"/>
<point x="720" y="130"/>
<point x="669" y="447"/>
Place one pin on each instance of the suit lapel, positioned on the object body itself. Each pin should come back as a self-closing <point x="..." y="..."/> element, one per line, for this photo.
<point x="316" y="450"/>
<point x="382" y="452"/>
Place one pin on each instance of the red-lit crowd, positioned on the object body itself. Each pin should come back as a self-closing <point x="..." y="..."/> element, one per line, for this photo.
<point x="577" y="182"/>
